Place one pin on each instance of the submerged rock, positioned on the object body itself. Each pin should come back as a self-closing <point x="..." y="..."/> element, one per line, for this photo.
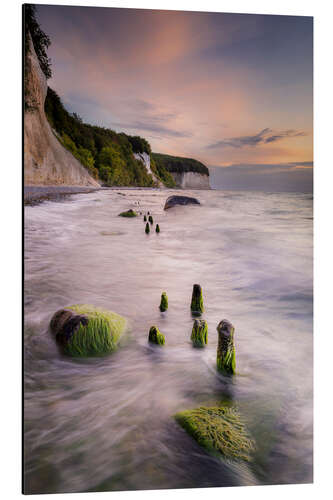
<point x="219" y="430"/>
<point x="128" y="213"/>
<point x="197" y="306"/>
<point x="172" y="201"/>
<point x="85" y="330"/>
<point x="199" y="334"/>
<point x="164" y="302"/>
<point x="155" y="336"/>
<point x="226" y="355"/>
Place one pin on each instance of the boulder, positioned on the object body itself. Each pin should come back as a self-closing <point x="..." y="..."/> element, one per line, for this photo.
<point x="128" y="213"/>
<point x="173" y="201"/>
<point x="84" y="330"/>
<point x="219" y="430"/>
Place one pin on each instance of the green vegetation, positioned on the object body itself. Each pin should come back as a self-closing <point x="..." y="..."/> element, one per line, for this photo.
<point x="128" y="213"/>
<point x="161" y="172"/>
<point x="219" y="430"/>
<point x="199" y="334"/>
<point x="197" y="300"/>
<point x="178" y="164"/>
<point x="105" y="153"/>
<point x="155" y="336"/>
<point x="226" y="354"/>
<point x="164" y="302"/>
<point x="39" y="39"/>
<point x="90" y="332"/>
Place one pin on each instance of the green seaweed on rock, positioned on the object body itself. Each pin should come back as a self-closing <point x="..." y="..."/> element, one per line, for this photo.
<point x="128" y="213"/>
<point x="226" y="354"/>
<point x="219" y="430"/>
<point x="147" y="229"/>
<point x="155" y="336"/>
<point x="85" y="330"/>
<point x="157" y="228"/>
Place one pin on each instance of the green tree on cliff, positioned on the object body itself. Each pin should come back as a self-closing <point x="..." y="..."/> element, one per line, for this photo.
<point x="39" y="39"/>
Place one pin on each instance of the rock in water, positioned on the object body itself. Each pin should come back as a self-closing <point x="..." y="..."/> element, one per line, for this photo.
<point x="226" y="355"/>
<point x="85" y="330"/>
<point x="199" y="334"/>
<point x="172" y="201"/>
<point x="147" y="229"/>
<point x="219" y="430"/>
<point x="128" y="213"/>
<point x="155" y="336"/>
<point x="164" y="302"/>
<point x="197" y="306"/>
<point x="157" y="228"/>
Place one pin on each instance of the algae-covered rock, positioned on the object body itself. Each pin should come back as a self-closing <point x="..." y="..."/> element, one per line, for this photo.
<point x="226" y="355"/>
<point x="147" y="229"/>
<point x="155" y="336"/>
<point x="128" y="213"/>
<point x="199" y="334"/>
<point x="150" y="219"/>
<point x="164" y="302"/>
<point x="85" y="330"/>
<point x="145" y="218"/>
<point x="157" y="228"/>
<point x="219" y="430"/>
<point x="197" y="300"/>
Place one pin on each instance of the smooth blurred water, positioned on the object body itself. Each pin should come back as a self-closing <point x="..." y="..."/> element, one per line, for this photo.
<point x="107" y="424"/>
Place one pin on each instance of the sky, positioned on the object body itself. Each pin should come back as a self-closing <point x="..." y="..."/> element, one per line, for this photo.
<point x="231" y="90"/>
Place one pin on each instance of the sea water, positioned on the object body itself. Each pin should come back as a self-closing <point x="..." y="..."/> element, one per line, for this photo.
<point x="107" y="423"/>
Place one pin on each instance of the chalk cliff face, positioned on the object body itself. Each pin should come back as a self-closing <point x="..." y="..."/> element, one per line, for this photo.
<point x="145" y="159"/>
<point x="191" y="180"/>
<point x="46" y="161"/>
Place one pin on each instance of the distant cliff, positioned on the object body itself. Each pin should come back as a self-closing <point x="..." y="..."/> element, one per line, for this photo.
<point x="46" y="161"/>
<point x="187" y="173"/>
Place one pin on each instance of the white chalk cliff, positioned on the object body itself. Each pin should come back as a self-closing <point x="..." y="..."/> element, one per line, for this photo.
<point x="145" y="159"/>
<point x="46" y="161"/>
<point x="191" y="180"/>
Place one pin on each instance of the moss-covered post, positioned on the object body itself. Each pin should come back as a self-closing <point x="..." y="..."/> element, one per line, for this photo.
<point x="145" y="218"/>
<point x="147" y="230"/>
<point x="155" y="336"/>
<point x="226" y="355"/>
<point x="199" y="334"/>
<point x="164" y="302"/>
<point x="157" y="228"/>
<point x="151" y="220"/>
<point x="197" y="300"/>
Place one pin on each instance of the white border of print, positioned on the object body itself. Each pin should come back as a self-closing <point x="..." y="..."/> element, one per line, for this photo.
<point x="10" y="415"/>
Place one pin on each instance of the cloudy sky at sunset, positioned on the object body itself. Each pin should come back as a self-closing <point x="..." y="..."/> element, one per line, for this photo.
<point x="231" y="90"/>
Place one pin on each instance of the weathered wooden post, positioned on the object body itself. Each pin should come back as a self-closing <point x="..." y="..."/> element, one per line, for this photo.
<point x="151" y="220"/>
<point x="226" y="355"/>
<point x="145" y="218"/>
<point x="147" y="230"/>
<point x="157" y="228"/>
<point x="199" y="334"/>
<point x="197" y="300"/>
<point x="155" y="336"/>
<point x="164" y="302"/>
